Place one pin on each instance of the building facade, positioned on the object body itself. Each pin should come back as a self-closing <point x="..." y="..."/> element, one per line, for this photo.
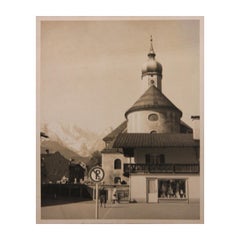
<point x="153" y="150"/>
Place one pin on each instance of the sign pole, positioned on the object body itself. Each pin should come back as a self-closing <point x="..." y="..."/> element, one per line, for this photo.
<point x="97" y="175"/>
<point x="96" y="209"/>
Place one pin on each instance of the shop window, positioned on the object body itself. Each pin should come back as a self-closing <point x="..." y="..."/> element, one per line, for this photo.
<point x="172" y="188"/>
<point x="117" y="164"/>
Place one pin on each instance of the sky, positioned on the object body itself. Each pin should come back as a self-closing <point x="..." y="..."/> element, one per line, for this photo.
<point x="90" y="70"/>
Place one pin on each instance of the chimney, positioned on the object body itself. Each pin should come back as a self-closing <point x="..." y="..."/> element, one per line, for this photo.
<point x="196" y="127"/>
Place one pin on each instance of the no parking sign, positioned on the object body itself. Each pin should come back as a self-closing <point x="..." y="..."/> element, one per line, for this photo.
<point x="96" y="174"/>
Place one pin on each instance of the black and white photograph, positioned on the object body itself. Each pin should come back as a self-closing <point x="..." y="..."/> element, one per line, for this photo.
<point x="120" y="120"/>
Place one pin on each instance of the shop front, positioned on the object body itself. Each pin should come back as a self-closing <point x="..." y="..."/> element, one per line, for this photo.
<point x="164" y="188"/>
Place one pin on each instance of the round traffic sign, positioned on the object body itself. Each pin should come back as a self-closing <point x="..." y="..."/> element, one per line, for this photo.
<point x="96" y="174"/>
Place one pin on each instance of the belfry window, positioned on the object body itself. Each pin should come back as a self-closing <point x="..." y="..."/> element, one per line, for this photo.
<point x="117" y="164"/>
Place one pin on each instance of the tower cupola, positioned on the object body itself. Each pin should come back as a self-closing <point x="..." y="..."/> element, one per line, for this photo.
<point x="151" y="66"/>
<point x="151" y="70"/>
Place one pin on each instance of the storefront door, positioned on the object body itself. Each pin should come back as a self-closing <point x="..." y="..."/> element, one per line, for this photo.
<point x="152" y="193"/>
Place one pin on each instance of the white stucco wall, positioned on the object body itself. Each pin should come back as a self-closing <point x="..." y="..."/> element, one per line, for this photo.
<point x="172" y="155"/>
<point x="194" y="187"/>
<point x="168" y="122"/>
<point x="138" y="188"/>
<point x="108" y="167"/>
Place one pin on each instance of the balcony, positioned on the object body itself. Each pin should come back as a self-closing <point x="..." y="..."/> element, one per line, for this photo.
<point x="161" y="168"/>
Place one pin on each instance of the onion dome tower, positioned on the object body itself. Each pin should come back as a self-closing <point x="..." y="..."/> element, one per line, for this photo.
<point x="153" y="112"/>
<point x="151" y="71"/>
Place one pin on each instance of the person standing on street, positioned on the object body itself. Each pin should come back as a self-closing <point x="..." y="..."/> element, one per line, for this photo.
<point x="114" y="195"/>
<point x="103" y="197"/>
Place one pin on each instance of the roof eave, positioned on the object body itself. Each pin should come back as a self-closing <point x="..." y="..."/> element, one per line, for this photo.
<point x="151" y="107"/>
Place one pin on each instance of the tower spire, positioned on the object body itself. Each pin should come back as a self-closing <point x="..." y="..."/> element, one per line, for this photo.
<point x="151" y="53"/>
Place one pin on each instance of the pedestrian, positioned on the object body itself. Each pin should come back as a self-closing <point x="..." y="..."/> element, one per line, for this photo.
<point x="181" y="193"/>
<point x="103" y="197"/>
<point x="114" y="195"/>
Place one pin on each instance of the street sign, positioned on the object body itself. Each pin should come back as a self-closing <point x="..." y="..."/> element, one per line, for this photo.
<point x="96" y="174"/>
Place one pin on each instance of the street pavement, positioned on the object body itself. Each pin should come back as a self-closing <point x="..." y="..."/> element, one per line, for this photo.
<point x="86" y="210"/>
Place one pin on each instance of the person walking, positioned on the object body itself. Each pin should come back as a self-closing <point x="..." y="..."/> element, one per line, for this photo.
<point x="114" y="195"/>
<point x="103" y="197"/>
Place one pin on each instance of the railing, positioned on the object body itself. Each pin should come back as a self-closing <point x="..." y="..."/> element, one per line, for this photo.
<point x="161" y="168"/>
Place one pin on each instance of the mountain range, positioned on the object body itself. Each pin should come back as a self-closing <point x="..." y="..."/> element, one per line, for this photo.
<point x="71" y="141"/>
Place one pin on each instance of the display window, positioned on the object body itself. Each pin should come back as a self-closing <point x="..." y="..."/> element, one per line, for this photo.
<point x="172" y="188"/>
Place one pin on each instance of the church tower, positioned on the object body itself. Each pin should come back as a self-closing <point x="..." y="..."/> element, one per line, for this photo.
<point x="151" y="71"/>
<point x="153" y="112"/>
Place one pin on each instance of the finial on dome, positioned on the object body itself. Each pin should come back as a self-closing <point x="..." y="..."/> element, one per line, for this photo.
<point x="151" y="52"/>
<point x="151" y="39"/>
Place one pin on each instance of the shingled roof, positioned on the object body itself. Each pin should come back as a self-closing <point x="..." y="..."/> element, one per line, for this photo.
<point x="141" y="140"/>
<point x="152" y="99"/>
<point x="122" y="128"/>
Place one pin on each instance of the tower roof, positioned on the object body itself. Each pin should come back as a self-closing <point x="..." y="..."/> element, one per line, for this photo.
<point x="152" y="99"/>
<point x="151" y="66"/>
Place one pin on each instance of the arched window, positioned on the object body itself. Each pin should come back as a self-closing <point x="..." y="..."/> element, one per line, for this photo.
<point x="117" y="164"/>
